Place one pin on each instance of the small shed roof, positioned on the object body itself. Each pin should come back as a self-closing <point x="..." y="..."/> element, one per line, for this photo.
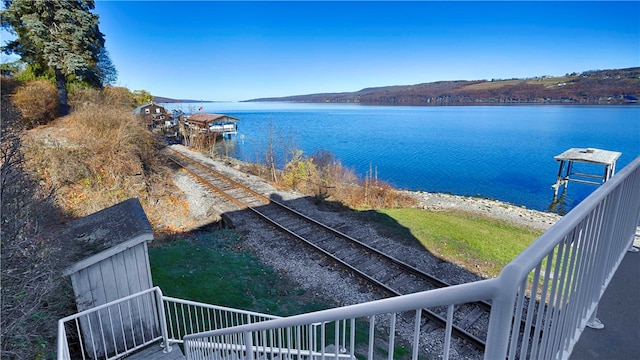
<point x="107" y="232"/>
<point x="589" y="155"/>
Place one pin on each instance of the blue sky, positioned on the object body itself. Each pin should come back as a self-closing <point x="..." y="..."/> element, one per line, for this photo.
<point x="240" y="50"/>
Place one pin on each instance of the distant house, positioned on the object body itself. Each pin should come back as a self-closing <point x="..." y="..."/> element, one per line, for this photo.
<point x="151" y="113"/>
<point x="215" y="124"/>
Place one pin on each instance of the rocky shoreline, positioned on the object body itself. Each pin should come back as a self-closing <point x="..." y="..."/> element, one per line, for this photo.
<point x="517" y="215"/>
<point x="202" y="209"/>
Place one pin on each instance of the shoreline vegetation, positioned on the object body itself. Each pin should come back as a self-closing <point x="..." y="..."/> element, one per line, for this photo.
<point x="370" y="188"/>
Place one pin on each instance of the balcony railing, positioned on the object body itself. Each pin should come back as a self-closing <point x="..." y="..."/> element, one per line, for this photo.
<point x="128" y="324"/>
<point x="554" y="286"/>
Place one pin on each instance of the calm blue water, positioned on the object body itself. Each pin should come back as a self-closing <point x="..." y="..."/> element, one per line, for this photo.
<point x="499" y="152"/>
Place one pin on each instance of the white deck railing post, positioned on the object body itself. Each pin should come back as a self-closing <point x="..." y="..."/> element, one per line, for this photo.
<point x="602" y="254"/>
<point x="63" y="346"/>
<point x="499" y="331"/>
<point x="248" y="340"/>
<point x="163" y="321"/>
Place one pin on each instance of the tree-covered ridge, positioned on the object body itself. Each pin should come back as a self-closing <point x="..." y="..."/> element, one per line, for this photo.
<point x="617" y="86"/>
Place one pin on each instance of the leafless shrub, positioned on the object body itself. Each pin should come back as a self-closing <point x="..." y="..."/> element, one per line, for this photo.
<point x="118" y="96"/>
<point x="324" y="176"/>
<point x="302" y="174"/>
<point x="204" y="141"/>
<point x="108" y="156"/>
<point x="76" y="165"/>
<point x="276" y="150"/>
<point x="109" y="96"/>
<point x="37" y="101"/>
<point x="102" y="155"/>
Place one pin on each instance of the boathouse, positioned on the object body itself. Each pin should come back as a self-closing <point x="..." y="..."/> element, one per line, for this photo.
<point x="214" y="124"/>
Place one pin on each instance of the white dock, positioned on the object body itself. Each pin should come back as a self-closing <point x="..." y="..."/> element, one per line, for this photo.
<point x="586" y="155"/>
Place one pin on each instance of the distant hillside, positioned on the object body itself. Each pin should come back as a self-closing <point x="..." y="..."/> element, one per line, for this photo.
<point x="617" y="86"/>
<point x="161" y="99"/>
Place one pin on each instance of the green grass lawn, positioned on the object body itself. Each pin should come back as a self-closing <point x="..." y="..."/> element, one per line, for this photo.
<point x="213" y="268"/>
<point x="481" y="244"/>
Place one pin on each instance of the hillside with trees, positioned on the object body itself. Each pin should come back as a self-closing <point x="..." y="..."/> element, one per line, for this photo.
<point x="618" y="86"/>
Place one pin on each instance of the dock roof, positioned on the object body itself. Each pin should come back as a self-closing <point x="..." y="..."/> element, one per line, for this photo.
<point x="203" y="117"/>
<point x="589" y="155"/>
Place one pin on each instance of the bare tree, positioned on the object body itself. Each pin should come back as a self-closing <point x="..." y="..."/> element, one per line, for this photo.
<point x="276" y="149"/>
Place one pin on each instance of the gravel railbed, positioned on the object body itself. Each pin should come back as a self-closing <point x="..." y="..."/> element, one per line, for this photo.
<point x="307" y="268"/>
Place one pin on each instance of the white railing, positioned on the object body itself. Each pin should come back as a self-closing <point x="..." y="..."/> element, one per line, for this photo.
<point x="568" y="268"/>
<point x="187" y="317"/>
<point x="128" y="324"/>
<point x="114" y="329"/>
<point x="359" y="329"/>
<point x="554" y="286"/>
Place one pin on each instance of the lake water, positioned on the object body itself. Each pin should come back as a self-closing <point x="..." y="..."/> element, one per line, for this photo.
<point x="499" y="152"/>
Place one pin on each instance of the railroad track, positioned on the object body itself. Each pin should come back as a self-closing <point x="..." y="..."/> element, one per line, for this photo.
<point x="384" y="273"/>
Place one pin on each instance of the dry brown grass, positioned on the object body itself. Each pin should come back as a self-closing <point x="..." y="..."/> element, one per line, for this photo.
<point x="492" y="84"/>
<point x="111" y="96"/>
<point x="324" y="176"/>
<point x="72" y="166"/>
<point x="37" y="102"/>
<point x="106" y="151"/>
<point x="100" y="155"/>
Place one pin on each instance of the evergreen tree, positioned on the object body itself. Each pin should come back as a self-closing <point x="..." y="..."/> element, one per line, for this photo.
<point x="101" y="74"/>
<point x="60" y="34"/>
<point x="105" y="69"/>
